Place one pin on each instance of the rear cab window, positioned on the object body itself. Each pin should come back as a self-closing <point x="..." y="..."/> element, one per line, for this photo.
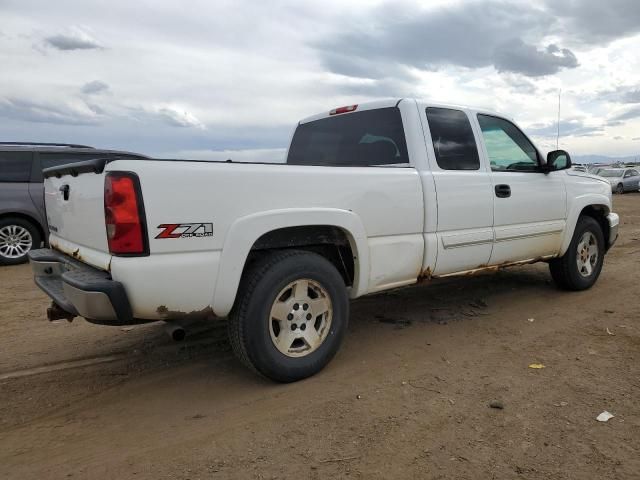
<point x="15" y="167"/>
<point x="367" y="138"/>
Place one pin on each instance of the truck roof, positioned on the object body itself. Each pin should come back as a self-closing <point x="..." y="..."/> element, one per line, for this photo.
<point x="393" y="102"/>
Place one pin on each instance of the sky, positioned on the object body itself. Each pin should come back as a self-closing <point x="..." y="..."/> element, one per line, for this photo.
<point x="230" y="79"/>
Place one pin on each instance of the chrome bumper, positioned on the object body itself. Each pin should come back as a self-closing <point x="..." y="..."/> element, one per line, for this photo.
<point x="79" y="289"/>
<point x="614" y="221"/>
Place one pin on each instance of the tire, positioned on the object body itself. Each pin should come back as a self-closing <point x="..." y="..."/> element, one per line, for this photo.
<point x="620" y="189"/>
<point x="571" y="272"/>
<point x="265" y="323"/>
<point x="17" y="237"/>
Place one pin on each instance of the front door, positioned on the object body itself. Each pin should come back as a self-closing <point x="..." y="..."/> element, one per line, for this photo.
<point x="529" y="206"/>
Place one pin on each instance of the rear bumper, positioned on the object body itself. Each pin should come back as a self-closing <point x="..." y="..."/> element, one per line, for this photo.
<point x="80" y="289"/>
<point x="614" y="221"/>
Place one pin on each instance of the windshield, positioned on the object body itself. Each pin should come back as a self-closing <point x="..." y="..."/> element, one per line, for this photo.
<point x="611" y="173"/>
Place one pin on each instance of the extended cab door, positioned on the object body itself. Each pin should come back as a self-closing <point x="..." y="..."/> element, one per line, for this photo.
<point x="529" y="206"/>
<point x="464" y="232"/>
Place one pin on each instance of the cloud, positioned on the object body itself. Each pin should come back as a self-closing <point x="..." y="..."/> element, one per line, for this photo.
<point x="76" y="39"/>
<point x="94" y="87"/>
<point x="621" y="94"/>
<point x="596" y="22"/>
<point x="517" y="56"/>
<point x="636" y="139"/>
<point x="572" y="127"/>
<point x="179" y="118"/>
<point x="39" y="112"/>
<point x="455" y="35"/>
<point x="618" y="137"/>
<point x="628" y="115"/>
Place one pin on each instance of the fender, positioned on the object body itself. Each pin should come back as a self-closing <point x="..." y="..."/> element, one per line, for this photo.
<point x="245" y="231"/>
<point x="577" y="205"/>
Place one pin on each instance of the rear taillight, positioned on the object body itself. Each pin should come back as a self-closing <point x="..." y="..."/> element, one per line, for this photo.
<point x="124" y="214"/>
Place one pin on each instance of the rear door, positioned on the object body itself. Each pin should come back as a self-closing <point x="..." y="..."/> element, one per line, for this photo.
<point x="463" y="189"/>
<point x="529" y="206"/>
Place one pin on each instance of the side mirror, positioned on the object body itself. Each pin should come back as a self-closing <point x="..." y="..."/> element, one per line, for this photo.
<point x="557" y="160"/>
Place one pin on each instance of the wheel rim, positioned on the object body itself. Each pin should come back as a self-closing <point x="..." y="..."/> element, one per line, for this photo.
<point x="15" y="241"/>
<point x="620" y="189"/>
<point x="300" y="318"/>
<point x="587" y="257"/>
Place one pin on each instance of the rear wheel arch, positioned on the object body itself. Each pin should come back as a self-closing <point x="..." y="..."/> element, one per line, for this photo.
<point x="337" y="235"/>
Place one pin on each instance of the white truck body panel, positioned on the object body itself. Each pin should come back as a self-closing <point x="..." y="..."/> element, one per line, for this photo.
<point x="403" y="222"/>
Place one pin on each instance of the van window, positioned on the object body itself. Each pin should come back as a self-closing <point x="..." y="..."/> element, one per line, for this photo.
<point x="453" y="139"/>
<point x="15" y="166"/>
<point x="361" y="139"/>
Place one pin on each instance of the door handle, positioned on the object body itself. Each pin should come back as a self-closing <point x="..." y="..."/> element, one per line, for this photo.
<point x="65" y="191"/>
<point x="503" y="191"/>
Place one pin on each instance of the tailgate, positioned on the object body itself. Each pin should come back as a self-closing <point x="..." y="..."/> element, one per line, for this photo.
<point x="74" y="201"/>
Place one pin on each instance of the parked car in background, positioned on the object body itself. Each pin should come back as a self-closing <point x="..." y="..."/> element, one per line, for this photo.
<point x="622" y="179"/>
<point x="23" y="223"/>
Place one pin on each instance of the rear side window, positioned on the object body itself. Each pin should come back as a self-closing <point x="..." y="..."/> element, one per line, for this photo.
<point x="368" y="138"/>
<point x="453" y="139"/>
<point x="15" y="166"/>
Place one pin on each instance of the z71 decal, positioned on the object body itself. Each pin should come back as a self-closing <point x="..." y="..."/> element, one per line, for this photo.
<point x="185" y="230"/>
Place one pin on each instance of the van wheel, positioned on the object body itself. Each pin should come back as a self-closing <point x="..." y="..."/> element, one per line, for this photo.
<point x="290" y="315"/>
<point x="17" y="237"/>
<point x="620" y="189"/>
<point x="580" y="266"/>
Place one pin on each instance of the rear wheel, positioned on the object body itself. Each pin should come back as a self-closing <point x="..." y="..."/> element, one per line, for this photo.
<point x="17" y="237"/>
<point x="580" y="266"/>
<point x="290" y="316"/>
<point x="620" y="188"/>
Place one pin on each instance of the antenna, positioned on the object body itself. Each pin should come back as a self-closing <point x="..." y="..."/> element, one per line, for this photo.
<point x="558" y="136"/>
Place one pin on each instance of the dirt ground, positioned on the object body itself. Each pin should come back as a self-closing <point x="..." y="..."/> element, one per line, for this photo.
<point x="406" y="397"/>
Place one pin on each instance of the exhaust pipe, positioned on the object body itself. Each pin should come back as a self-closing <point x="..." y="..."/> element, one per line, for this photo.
<point x="176" y="332"/>
<point x="56" y="312"/>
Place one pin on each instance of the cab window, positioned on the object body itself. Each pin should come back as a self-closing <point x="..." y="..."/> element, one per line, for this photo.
<point x="507" y="147"/>
<point x="453" y="140"/>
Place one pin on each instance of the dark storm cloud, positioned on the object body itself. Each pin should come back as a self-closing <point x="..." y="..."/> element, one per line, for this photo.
<point x="74" y="41"/>
<point x="471" y="35"/>
<point x="94" y="87"/>
<point x="30" y="111"/>
<point x="596" y="22"/>
<point x="517" y="56"/>
<point x="572" y="128"/>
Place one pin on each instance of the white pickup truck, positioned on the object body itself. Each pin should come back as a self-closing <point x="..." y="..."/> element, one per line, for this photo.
<point x="372" y="197"/>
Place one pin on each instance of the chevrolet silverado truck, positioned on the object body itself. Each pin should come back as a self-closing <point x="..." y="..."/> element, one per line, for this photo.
<point x="372" y="197"/>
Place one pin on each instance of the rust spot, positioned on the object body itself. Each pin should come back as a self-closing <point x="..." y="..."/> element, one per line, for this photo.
<point x="206" y="312"/>
<point x="425" y="275"/>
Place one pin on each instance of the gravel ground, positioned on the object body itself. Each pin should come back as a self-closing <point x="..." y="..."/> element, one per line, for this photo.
<point x="407" y="397"/>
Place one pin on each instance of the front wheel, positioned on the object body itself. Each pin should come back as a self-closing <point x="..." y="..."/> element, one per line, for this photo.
<point x="290" y="316"/>
<point x="580" y="266"/>
<point x="620" y="189"/>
